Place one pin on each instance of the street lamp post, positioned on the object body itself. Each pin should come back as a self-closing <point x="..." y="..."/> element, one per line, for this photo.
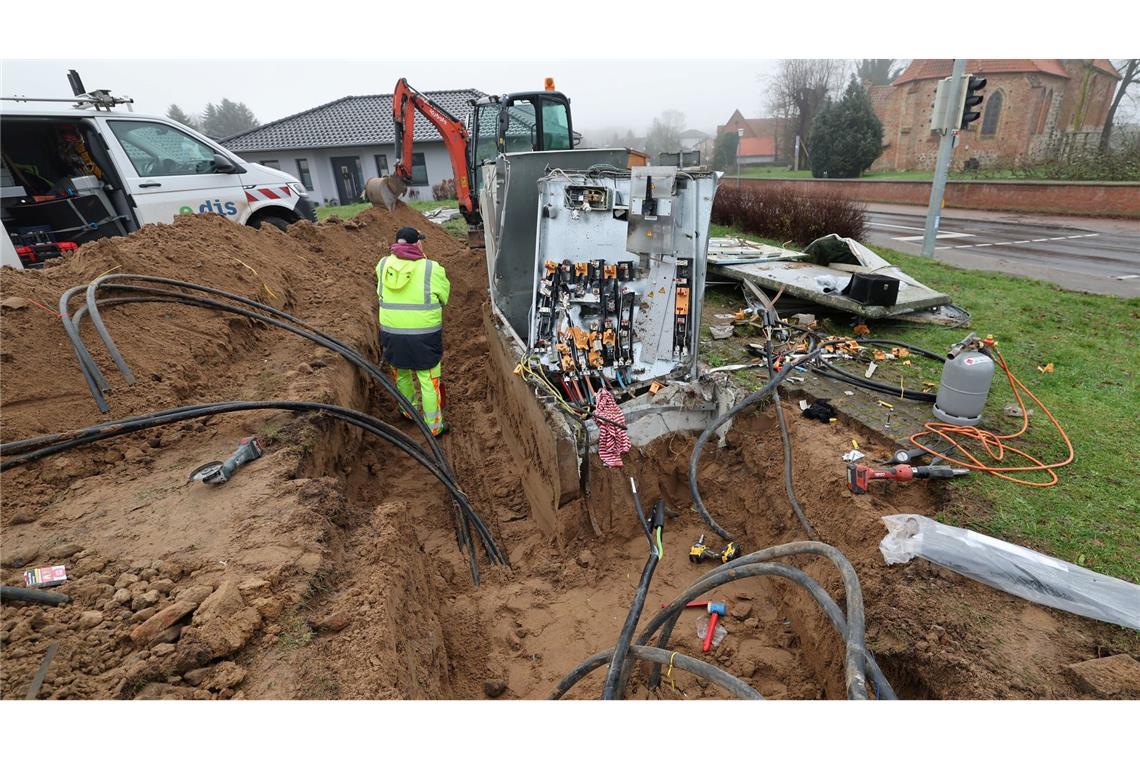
<point x="739" y="136"/>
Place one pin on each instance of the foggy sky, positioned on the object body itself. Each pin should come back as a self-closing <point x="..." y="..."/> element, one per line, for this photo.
<point x="625" y="94"/>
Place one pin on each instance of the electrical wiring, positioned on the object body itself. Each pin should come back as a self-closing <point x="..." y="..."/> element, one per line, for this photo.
<point x="733" y="685"/>
<point x="997" y="446"/>
<point x="23" y="452"/>
<point x="616" y="675"/>
<point x="294" y="326"/>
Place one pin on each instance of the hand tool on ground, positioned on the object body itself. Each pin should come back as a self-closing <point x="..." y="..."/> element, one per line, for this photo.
<point x="694" y="603"/>
<point x="859" y="475"/>
<point x="716" y="609"/>
<point x="699" y="551"/>
<point x="730" y="552"/>
<point x="216" y="473"/>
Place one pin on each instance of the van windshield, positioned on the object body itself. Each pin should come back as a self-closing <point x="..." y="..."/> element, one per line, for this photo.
<point x="158" y="150"/>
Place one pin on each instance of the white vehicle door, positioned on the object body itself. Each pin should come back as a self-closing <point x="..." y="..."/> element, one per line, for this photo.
<point x="170" y="172"/>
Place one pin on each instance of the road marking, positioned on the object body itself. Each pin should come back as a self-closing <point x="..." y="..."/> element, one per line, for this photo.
<point x="1039" y="240"/>
<point x="895" y="226"/>
<point x="940" y="236"/>
<point x="1127" y="277"/>
<point x="1019" y="242"/>
<point x="983" y="245"/>
<point x="1058" y="238"/>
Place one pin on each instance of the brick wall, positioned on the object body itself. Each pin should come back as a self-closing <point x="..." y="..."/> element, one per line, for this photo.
<point x="1038" y="112"/>
<point x="1118" y="199"/>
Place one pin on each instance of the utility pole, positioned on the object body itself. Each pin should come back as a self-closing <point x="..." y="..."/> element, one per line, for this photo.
<point x="796" y="156"/>
<point x="942" y="168"/>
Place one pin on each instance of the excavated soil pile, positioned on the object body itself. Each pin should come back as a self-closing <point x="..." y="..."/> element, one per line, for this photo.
<point x="329" y="568"/>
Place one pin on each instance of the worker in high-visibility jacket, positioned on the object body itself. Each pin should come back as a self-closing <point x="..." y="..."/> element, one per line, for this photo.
<point x="413" y="291"/>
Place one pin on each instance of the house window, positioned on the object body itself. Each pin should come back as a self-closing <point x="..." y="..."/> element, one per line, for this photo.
<point x="992" y="114"/>
<point x="419" y="169"/>
<point x="272" y="163"/>
<point x="381" y="165"/>
<point x="303" y="173"/>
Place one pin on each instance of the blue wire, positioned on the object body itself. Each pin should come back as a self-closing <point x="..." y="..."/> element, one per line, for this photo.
<point x="617" y="374"/>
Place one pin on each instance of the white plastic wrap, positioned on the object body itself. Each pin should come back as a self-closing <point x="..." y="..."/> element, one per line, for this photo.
<point x="1013" y="569"/>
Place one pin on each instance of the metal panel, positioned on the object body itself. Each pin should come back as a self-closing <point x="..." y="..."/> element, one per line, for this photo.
<point x="513" y="191"/>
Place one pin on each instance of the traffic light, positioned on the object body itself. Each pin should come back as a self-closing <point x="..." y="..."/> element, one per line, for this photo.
<point x="972" y="100"/>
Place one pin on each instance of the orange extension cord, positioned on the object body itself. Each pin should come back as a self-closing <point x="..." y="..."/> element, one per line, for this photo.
<point x="995" y="445"/>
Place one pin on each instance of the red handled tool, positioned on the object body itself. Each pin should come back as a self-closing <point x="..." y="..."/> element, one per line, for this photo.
<point x="716" y="609"/>
<point x="859" y="475"/>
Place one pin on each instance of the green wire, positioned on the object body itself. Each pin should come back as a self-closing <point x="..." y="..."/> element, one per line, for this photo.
<point x="660" y="550"/>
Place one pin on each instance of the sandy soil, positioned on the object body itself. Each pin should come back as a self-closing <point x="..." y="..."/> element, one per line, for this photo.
<point x="329" y="568"/>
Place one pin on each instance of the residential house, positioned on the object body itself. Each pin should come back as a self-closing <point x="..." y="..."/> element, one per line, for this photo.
<point x="1031" y="108"/>
<point x="336" y="147"/>
<point x="762" y="141"/>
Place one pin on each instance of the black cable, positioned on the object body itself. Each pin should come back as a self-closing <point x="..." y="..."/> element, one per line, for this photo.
<point x="65" y="441"/>
<point x="729" y="683"/>
<point x="33" y="595"/>
<point x="297" y="327"/>
<point x="617" y="674"/>
<point x="667" y="619"/>
<point x="783" y="425"/>
<point x="853" y="591"/>
<point x="750" y="400"/>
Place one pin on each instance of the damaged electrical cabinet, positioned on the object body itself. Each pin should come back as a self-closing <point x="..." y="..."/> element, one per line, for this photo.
<point x="596" y="280"/>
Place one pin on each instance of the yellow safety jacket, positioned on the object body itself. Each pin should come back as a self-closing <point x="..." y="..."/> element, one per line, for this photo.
<point x="412" y="295"/>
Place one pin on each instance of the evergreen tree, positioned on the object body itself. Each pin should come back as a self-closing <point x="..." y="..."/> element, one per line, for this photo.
<point x="227" y="119"/>
<point x="177" y="114"/>
<point x="846" y="136"/>
<point x="724" y="150"/>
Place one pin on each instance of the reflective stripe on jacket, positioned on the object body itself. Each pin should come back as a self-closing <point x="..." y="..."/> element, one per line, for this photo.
<point x="412" y="295"/>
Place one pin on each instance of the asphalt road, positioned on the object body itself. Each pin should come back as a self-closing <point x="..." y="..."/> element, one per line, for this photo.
<point x="1093" y="255"/>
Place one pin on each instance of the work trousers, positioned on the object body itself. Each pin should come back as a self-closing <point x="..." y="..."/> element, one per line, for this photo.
<point x="426" y="384"/>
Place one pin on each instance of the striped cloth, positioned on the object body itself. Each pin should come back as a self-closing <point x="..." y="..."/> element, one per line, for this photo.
<point x="612" y="441"/>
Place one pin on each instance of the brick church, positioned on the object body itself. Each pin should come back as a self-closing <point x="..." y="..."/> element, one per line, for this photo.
<point x="1032" y="108"/>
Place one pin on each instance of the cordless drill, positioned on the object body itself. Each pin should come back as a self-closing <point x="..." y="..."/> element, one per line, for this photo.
<point x="858" y="475"/>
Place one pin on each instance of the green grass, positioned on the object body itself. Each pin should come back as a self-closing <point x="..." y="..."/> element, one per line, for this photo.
<point x="1092" y="517"/>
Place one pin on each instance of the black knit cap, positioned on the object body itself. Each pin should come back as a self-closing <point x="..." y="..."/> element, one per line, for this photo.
<point x="409" y="235"/>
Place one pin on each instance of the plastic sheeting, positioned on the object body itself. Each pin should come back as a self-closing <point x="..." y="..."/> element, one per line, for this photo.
<point x="1014" y="569"/>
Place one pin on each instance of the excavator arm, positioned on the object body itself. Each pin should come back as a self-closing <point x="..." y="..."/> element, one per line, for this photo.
<point x="406" y="101"/>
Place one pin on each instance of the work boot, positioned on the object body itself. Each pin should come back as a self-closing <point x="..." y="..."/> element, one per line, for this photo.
<point x="443" y="430"/>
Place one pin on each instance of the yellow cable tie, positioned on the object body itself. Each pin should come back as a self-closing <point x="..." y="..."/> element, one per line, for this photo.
<point x="112" y="269"/>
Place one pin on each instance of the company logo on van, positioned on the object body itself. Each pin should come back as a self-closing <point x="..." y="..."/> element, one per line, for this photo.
<point x="212" y="207"/>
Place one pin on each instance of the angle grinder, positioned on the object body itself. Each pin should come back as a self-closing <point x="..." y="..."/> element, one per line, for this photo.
<point x="216" y="473"/>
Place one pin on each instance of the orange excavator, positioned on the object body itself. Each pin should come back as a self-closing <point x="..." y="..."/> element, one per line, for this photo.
<point x="518" y="122"/>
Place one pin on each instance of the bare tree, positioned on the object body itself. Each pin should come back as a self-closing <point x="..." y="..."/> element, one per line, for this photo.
<point x="1129" y="69"/>
<point x="877" y="70"/>
<point x="800" y="87"/>
<point x="665" y="134"/>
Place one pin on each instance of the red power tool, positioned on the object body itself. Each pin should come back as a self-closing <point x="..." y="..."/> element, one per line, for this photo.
<point x="859" y="475"/>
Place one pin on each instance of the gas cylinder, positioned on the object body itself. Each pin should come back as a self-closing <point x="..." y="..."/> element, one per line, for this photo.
<point x="965" y="386"/>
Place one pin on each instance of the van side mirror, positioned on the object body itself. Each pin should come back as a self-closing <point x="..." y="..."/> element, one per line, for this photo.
<point x="223" y="165"/>
<point x="576" y="138"/>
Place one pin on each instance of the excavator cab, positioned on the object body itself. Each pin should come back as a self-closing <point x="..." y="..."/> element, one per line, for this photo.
<point x="524" y="122"/>
<point x="519" y="123"/>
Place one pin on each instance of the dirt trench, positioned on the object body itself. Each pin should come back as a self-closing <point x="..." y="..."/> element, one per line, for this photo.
<point x="329" y="568"/>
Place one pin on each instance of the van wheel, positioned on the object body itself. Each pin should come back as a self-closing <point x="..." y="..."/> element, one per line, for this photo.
<point x="279" y="222"/>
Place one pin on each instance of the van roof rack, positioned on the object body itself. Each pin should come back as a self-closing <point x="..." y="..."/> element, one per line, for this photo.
<point x="100" y="100"/>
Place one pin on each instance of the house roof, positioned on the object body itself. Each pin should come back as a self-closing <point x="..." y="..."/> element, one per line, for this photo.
<point x="1106" y="66"/>
<point x="351" y="120"/>
<point x="931" y="68"/>
<point x="759" y="128"/>
<point x="756" y="146"/>
<point x="694" y="133"/>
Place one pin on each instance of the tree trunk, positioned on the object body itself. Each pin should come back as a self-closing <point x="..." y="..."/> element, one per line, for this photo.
<point x="1129" y="76"/>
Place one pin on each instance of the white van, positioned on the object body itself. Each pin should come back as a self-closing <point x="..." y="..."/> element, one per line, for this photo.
<point x="72" y="175"/>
